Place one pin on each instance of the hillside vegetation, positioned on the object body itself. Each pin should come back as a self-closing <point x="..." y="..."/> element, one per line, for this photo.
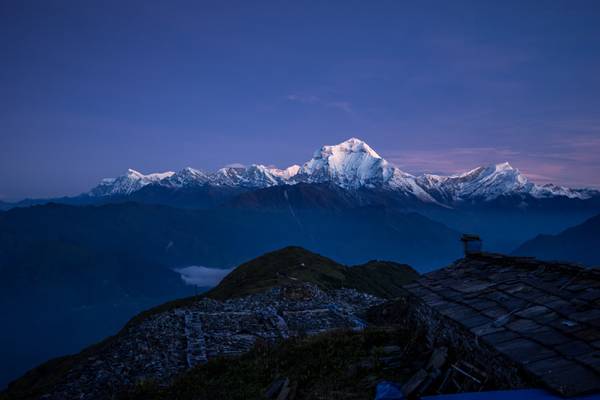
<point x="337" y="365"/>
<point x="295" y="264"/>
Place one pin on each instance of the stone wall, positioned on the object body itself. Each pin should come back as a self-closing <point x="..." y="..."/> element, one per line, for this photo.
<point x="464" y="346"/>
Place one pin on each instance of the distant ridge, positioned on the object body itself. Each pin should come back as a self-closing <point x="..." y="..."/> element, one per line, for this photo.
<point x="580" y="243"/>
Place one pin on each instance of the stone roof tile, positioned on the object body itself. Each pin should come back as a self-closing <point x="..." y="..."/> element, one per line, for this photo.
<point x="545" y="316"/>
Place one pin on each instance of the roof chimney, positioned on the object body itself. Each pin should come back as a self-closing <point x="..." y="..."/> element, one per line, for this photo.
<point x="472" y="244"/>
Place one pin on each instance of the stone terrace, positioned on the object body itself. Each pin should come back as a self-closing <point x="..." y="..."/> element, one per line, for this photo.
<point x="541" y="317"/>
<point x="166" y="344"/>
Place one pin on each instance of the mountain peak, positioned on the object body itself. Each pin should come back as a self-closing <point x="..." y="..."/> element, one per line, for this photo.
<point x="352" y="145"/>
<point x="287" y="173"/>
<point x="505" y="166"/>
<point x="488" y="182"/>
<point x="157" y="176"/>
<point x="507" y="171"/>
<point x="485" y="170"/>
<point x="253" y="176"/>
<point x="189" y="170"/>
<point x="350" y="164"/>
<point x="132" y="173"/>
<point x="188" y="176"/>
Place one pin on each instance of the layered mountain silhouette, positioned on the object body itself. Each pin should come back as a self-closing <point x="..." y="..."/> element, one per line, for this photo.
<point x="580" y="244"/>
<point x="490" y="200"/>
<point x="83" y="270"/>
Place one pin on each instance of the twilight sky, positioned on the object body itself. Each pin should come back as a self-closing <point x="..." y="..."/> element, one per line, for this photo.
<point x="91" y="88"/>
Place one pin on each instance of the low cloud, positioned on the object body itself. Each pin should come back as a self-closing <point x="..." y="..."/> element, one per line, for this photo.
<point x="202" y="276"/>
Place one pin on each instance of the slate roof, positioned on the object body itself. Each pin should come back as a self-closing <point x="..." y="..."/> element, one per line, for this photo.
<point x="544" y="316"/>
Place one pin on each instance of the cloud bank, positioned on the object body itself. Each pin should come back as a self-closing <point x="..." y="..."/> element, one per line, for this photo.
<point x="202" y="276"/>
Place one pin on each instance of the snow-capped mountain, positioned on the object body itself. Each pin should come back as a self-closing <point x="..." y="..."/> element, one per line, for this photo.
<point x="128" y="183"/>
<point x="354" y="165"/>
<point x="186" y="177"/>
<point x="483" y="183"/>
<point x="254" y="176"/>
<point x="491" y="182"/>
<point x="350" y="164"/>
<point x="551" y="190"/>
<point x="286" y="174"/>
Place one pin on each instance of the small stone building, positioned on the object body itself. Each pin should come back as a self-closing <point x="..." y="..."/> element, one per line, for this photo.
<point x="524" y="321"/>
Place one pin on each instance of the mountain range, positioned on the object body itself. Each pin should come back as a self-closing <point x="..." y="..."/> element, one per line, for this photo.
<point x="490" y="200"/>
<point x="352" y="165"/>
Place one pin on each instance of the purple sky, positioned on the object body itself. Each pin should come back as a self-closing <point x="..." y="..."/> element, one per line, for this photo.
<point x="92" y="88"/>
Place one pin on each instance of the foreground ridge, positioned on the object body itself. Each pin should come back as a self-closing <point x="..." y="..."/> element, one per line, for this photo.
<point x="486" y="322"/>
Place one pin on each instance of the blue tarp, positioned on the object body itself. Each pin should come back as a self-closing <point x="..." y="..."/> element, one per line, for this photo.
<point x="391" y="391"/>
<point x="388" y="391"/>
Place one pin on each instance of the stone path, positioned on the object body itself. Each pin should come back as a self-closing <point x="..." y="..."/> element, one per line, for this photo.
<point x="196" y="344"/>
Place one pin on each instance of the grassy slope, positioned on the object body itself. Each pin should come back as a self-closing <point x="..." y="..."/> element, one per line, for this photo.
<point x="295" y="264"/>
<point x="337" y="365"/>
